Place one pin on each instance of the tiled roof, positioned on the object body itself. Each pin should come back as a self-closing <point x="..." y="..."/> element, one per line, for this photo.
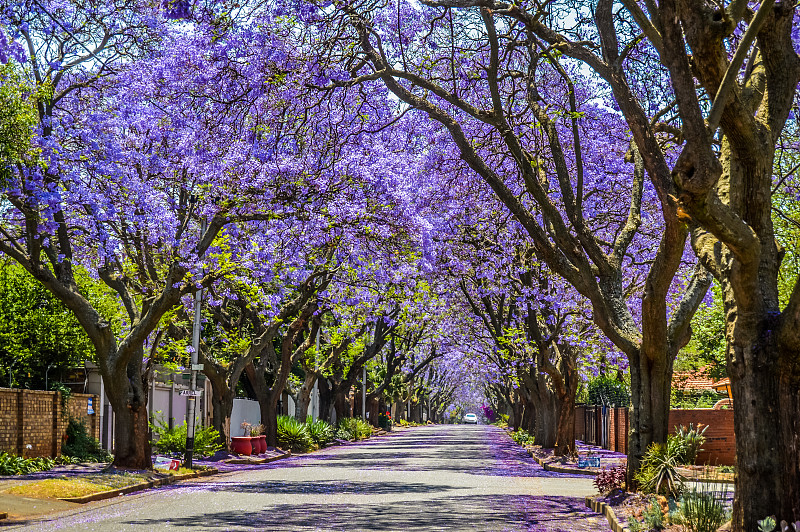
<point x="693" y="380"/>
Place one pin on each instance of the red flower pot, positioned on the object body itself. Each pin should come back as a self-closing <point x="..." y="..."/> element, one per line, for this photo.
<point x="262" y="440"/>
<point x="242" y="445"/>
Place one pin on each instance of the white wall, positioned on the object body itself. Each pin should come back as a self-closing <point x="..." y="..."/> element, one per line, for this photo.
<point x="244" y="410"/>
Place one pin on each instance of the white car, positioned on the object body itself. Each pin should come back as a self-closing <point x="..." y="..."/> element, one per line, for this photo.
<point x="471" y="418"/>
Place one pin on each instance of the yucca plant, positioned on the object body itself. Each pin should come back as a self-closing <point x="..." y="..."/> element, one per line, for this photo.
<point x="293" y="435"/>
<point x="659" y="473"/>
<point x="321" y="433"/>
<point x="690" y="441"/>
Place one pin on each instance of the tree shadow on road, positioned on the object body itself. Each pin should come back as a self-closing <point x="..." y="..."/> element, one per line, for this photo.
<point x="495" y="514"/>
<point x="326" y="487"/>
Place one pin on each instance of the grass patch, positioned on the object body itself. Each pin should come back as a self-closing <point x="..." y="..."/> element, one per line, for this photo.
<point x="58" y="488"/>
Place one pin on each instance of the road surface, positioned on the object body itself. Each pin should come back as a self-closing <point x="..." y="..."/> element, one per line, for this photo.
<point x="434" y="478"/>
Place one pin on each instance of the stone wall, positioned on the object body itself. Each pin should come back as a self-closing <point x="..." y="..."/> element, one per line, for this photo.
<point x="33" y="422"/>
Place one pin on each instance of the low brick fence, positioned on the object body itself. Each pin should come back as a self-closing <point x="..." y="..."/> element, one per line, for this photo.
<point x="34" y="422"/>
<point x="608" y="428"/>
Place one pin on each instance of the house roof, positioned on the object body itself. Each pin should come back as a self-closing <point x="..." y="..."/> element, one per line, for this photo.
<point x="695" y="380"/>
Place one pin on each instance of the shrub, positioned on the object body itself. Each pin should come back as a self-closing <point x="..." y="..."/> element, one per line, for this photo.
<point x="702" y="510"/>
<point x="321" y="433"/>
<point x="610" y="479"/>
<point x="173" y="440"/>
<point x="522" y="437"/>
<point x="11" y="464"/>
<point x="351" y="428"/>
<point x="293" y="435"/>
<point x="634" y="525"/>
<point x="658" y="473"/>
<point x="607" y="391"/>
<point x="689" y="441"/>
<point x="81" y="446"/>
<point x="653" y="518"/>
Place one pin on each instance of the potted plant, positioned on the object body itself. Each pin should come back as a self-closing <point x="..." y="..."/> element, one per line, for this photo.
<point x="243" y="444"/>
<point x="259" y="440"/>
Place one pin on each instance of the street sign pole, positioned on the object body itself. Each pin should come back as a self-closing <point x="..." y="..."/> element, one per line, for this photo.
<point x="191" y="400"/>
<point x="364" y="393"/>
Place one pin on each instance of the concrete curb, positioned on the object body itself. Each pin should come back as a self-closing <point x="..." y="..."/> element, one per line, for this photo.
<point x="138" y="487"/>
<point x="258" y="461"/>
<point x="606" y="510"/>
<point x="549" y="466"/>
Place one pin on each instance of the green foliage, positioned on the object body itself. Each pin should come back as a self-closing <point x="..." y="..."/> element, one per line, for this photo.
<point x="707" y="346"/>
<point x="173" y="440"/>
<point x="18" y="117"/>
<point x="351" y="428"/>
<point x="321" y="433"/>
<point x="652" y="516"/>
<point x="81" y="446"/>
<point x="39" y="332"/>
<point x="16" y="465"/>
<point x="522" y="437"/>
<point x="634" y="525"/>
<point x="703" y="509"/>
<point x="689" y="440"/>
<point x="607" y="391"/>
<point x="293" y="435"/>
<point x="658" y="473"/>
<point x="767" y="524"/>
<point x="694" y="398"/>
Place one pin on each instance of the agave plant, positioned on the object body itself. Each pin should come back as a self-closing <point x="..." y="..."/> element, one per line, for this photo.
<point x="293" y="435"/>
<point x="659" y="473"/>
<point x="321" y="433"/>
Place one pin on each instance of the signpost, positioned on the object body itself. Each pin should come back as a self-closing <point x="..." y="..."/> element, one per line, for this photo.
<point x="191" y="399"/>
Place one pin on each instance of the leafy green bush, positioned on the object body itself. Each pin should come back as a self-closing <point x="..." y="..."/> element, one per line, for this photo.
<point x="293" y="434"/>
<point x="689" y="441"/>
<point x="173" y="440"/>
<point x="321" y="433"/>
<point x="11" y="464"/>
<point x="351" y="428"/>
<point x="658" y="473"/>
<point x="607" y="391"/>
<point x="522" y="437"/>
<point x="79" y="445"/>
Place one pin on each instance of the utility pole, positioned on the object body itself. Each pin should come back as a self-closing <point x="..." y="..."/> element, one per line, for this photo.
<point x="315" y="413"/>
<point x="191" y="400"/>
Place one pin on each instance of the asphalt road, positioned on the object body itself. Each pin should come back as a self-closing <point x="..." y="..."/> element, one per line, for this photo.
<point x="436" y="478"/>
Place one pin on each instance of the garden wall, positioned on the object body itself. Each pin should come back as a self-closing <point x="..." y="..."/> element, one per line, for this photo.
<point x="608" y="428"/>
<point x="33" y="422"/>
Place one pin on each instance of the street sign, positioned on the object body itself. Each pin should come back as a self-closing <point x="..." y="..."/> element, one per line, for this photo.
<point x="195" y="393"/>
<point x="588" y="462"/>
<point x="197" y="367"/>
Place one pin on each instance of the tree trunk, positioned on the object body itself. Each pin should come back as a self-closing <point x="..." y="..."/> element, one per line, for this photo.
<point x="128" y="397"/>
<point x="325" y="400"/>
<point x="546" y="407"/>
<point x="766" y="416"/>
<point x="650" y="396"/>
<point x="341" y="405"/>
<point x="222" y="407"/>
<point x="269" y="418"/>
<point x="565" y="430"/>
<point x="303" y="400"/>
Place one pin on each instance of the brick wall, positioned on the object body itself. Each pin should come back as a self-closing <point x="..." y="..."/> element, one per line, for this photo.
<point x="718" y="449"/>
<point x="36" y="418"/>
<point x="618" y="430"/>
<point x="720" y="445"/>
